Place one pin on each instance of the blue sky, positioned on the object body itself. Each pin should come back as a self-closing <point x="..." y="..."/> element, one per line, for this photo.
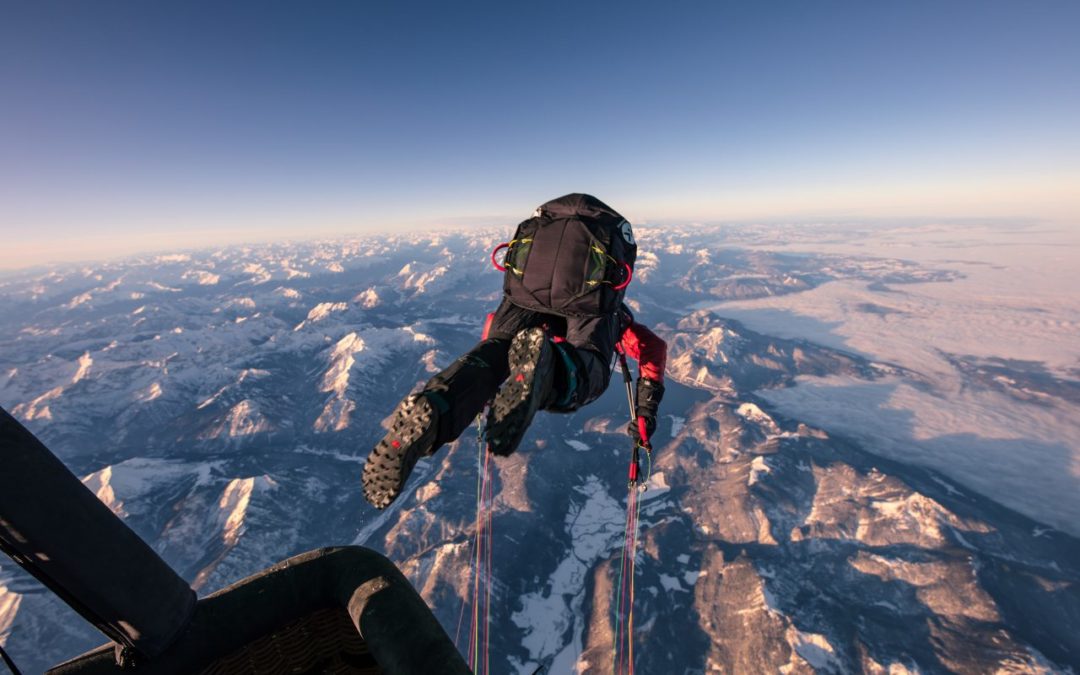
<point x="130" y="125"/>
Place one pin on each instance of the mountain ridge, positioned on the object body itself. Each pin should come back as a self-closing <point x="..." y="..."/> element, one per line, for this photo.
<point x="767" y="543"/>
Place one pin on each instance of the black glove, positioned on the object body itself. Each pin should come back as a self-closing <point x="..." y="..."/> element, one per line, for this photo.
<point x="635" y="432"/>
<point x="649" y="394"/>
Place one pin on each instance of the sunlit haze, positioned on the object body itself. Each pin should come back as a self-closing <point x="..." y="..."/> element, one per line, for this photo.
<point x="130" y="127"/>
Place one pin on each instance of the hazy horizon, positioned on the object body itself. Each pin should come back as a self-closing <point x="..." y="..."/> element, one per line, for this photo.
<point x="16" y="260"/>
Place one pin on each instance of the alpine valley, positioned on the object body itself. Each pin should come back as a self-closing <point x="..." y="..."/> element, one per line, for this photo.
<point x="867" y="461"/>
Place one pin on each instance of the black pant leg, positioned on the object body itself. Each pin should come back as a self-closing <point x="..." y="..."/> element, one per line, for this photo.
<point x="587" y="352"/>
<point x="460" y="391"/>
<point x="581" y="376"/>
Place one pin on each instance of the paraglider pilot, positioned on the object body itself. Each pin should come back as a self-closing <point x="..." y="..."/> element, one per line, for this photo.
<point x="549" y="345"/>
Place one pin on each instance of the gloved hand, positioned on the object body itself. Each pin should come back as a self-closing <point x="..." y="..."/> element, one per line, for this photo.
<point x="635" y="432"/>
<point x="649" y="394"/>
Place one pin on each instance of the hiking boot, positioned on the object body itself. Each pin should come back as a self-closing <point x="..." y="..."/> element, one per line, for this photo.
<point x="411" y="436"/>
<point x="529" y="386"/>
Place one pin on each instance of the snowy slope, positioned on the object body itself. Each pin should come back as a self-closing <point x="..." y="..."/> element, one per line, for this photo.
<point x="222" y="403"/>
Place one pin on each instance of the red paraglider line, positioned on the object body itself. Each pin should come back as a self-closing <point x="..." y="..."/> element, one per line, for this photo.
<point x="488" y="508"/>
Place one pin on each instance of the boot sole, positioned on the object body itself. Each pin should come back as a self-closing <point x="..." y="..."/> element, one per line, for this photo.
<point x="518" y="399"/>
<point x="411" y="436"/>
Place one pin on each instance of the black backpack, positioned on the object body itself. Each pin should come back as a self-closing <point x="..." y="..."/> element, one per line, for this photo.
<point x="573" y="258"/>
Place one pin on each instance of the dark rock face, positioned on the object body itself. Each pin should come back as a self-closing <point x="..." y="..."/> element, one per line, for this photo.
<point x="227" y="422"/>
<point x="1027" y="381"/>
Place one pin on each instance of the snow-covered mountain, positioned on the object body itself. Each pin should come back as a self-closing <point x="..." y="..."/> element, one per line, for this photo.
<point x="222" y="403"/>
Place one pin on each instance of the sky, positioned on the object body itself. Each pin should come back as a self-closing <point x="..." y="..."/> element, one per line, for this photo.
<point x="129" y="126"/>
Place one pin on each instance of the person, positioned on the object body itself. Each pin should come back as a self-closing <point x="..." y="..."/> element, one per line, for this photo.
<point x="548" y="346"/>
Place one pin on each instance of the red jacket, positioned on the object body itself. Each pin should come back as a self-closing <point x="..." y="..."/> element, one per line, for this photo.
<point x="645" y="347"/>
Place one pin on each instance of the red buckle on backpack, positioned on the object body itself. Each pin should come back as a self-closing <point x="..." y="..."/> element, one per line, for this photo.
<point x="501" y="246"/>
<point x="629" y="276"/>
